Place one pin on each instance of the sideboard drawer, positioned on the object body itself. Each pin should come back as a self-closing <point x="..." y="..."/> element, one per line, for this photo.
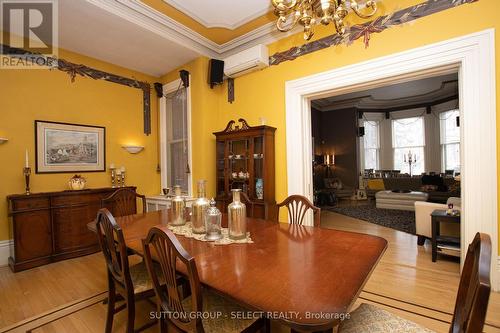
<point x="76" y="199"/>
<point x="30" y="204"/>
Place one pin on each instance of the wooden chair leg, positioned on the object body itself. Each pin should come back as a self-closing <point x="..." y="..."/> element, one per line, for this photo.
<point x="130" y="313"/>
<point x="163" y="325"/>
<point x="111" y="308"/>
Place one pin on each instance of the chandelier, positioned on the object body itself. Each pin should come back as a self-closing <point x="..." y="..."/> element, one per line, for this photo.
<point x="308" y="12"/>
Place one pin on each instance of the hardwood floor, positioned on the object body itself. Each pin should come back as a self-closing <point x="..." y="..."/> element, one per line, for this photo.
<point x="67" y="296"/>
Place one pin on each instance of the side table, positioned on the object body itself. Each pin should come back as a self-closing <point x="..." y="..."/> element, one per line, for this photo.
<point x="449" y="243"/>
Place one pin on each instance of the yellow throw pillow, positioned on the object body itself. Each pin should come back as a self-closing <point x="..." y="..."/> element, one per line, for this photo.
<point x="376" y="184"/>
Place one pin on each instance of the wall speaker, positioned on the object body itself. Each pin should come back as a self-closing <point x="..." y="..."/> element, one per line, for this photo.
<point x="361" y="131"/>
<point x="215" y="72"/>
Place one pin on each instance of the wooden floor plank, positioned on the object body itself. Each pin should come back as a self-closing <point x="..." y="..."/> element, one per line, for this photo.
<point x="60" y="297"/>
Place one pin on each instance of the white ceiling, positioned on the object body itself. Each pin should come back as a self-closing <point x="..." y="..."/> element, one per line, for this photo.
<point x="229" y="14"/>
<point x="90" y="30"/>
<point x="409" y="93"/>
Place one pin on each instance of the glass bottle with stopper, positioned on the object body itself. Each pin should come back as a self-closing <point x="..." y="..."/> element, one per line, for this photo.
<point x="237" y="217"/>
<point x="213" y="222"/>
<point x="178" y="206"/>
<point x="199" y="208"/>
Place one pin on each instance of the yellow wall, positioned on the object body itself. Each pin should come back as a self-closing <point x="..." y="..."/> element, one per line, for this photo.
<point x="262" y="94"/>
<point x="26" y="95"/>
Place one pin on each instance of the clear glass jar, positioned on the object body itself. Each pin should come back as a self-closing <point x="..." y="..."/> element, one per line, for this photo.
<point x="199" y="208"/>
<point x="178" y="207"/>
<point x="213" y="222"/>
<point x="237" y="217"/>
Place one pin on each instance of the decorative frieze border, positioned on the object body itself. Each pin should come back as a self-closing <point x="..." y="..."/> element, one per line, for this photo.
<point x="366" y="29"/>
<point x="73" y="70"/>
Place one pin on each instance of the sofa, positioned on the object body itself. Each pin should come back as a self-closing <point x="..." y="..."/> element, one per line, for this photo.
<point x="423" y="212"/>
<point x="446" y="188"/>
<point x="329" y="190"/>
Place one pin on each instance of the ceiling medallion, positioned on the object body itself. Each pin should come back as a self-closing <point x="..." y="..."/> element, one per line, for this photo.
<point x="308" y="12"/>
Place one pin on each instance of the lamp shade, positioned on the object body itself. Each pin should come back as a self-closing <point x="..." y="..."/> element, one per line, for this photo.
<point x="329" y="159"/>
<point x="133" y="149"/>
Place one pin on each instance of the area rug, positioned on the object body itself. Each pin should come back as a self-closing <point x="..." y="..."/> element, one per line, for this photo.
<point x="396" y="219"/>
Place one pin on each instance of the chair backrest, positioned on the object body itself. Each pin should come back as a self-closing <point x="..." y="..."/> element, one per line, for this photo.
<point x="124" y="202"/>
<point x="297" y="206"/>
<point x="248" y="203"/>
<point x="113" y="247"/>
<point x="168" y="252"/>
<point x="474" y="288"/>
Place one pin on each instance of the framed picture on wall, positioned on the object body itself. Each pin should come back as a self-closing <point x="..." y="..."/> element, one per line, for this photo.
<point x="62" y="147"/>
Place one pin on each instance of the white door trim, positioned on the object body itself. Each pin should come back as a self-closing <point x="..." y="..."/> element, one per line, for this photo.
<point x="167" y="89"/>
<point x="474" y="56"/>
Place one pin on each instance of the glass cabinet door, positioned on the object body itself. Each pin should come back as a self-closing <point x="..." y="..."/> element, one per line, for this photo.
<point x="221" y="167"/>
<point x="238" y="157"/>
<point x="258" y="166"/>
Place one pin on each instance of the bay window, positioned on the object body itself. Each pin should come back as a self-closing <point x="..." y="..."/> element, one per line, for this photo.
<point x="408" y="142"/>
<point x="450" y="140"/>
<point x="372" y="145"/>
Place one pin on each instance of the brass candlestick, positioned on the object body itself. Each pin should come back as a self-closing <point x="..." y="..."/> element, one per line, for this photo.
<point x="27" y="173"/>
<point x="113" y="177"/>
<point x="123" y="179"/>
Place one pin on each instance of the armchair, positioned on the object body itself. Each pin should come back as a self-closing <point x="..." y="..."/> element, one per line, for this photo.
<point x="423" y="212"/>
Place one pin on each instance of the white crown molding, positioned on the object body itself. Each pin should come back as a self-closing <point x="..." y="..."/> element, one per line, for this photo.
<point x="266" y="34"/>
<point x="178" y="5"/>
<point x="369" y="102"/>
<point x="5" y="252"/>
<point x="148" y="18"/>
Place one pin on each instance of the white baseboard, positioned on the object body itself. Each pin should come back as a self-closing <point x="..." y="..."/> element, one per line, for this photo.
<point x="5" y="252"/>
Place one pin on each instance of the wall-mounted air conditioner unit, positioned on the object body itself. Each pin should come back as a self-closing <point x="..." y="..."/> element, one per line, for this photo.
<point x="247" y="61"/>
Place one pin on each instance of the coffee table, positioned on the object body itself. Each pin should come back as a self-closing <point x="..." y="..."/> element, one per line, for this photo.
<point x="399" y="200"/>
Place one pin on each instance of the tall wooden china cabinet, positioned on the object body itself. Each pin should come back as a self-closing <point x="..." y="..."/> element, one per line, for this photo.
<point x="245" y="160"/>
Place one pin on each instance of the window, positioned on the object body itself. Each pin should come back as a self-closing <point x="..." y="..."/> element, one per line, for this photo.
<point x="372" y="145"/>
<point x="408" y="139"/>
<point x="176" y="168"/>
<point x="450" y="140"/>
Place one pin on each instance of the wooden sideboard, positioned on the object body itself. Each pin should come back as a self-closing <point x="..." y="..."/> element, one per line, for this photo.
<point x="48" y="227"/>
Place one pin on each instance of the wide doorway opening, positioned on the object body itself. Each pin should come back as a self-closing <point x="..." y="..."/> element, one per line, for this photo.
<point x="470" y="56"/>
<point x="391" y="155"/>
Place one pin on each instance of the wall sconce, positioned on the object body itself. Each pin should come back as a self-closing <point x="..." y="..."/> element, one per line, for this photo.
<point x="329" y="159"/>
<point x="133" y="149"/>
<point x="3" y="140"/>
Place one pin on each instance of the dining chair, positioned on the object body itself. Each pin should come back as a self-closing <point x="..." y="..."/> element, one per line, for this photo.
<point x="170" y="253"/>
<point x="470" y="306"/>
<point x="297" y="206"/>
<point x="248" y="203"/>
<point x="124" y="202"/>
<point x="132" y="283"/>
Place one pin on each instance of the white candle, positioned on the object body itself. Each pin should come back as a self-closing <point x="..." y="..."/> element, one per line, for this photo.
<point x="122" y="169"/>
<point x="26" y="164"/>
<point x="112" y="166"/>
<point x="118" y="172"/>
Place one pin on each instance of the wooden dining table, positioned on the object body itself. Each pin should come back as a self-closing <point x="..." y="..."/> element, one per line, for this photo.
<point x="305" y="277"/>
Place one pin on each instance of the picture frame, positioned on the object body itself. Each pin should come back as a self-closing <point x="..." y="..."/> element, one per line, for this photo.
<point x="68" y="148"/>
